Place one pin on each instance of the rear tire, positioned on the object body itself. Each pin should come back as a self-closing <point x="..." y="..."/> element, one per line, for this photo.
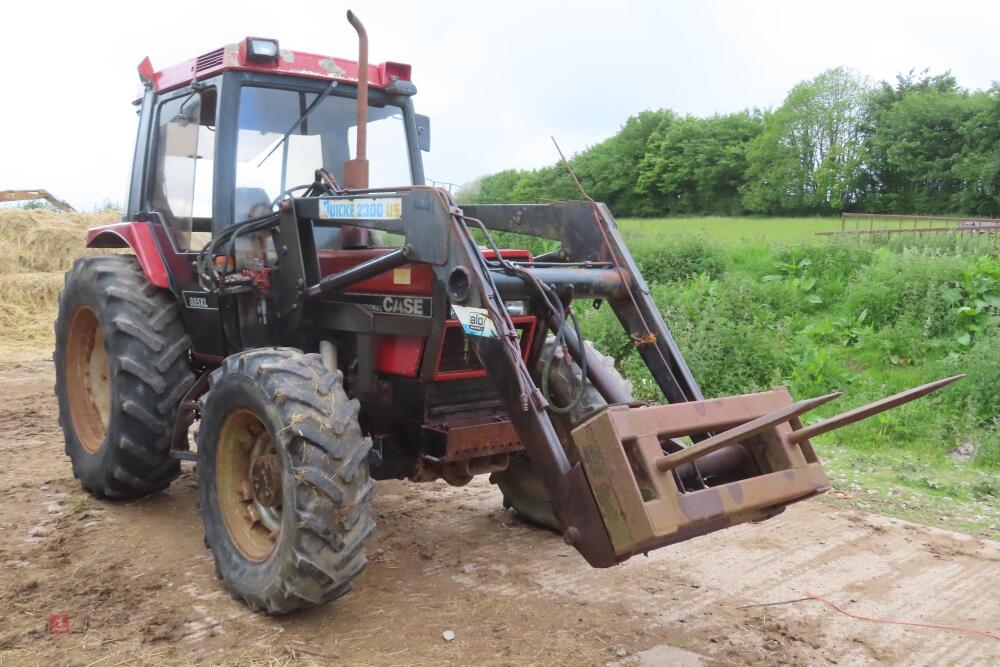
<point x="122" y="367"/>
<point x="522" y="487"/>
<point x="284" y="489"/>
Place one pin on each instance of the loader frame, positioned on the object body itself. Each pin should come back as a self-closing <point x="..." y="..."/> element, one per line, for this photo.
<point x="592" y="263"/>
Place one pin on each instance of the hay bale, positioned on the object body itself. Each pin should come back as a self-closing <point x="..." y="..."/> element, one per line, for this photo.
<point x="39" y="240"/>
<point x="28" y="305"/>
<point x="36" y="247"/>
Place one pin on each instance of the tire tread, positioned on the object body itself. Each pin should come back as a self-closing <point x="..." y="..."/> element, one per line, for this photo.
<point x="333" y="491"/>
<point x="141" y="324"/>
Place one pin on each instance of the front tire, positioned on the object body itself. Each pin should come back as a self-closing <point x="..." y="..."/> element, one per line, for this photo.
<point x="284" y="489"/>
<point x="122" y="367"/>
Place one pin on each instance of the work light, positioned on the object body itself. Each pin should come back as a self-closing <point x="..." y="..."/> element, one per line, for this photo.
<point x="260" y="50"/>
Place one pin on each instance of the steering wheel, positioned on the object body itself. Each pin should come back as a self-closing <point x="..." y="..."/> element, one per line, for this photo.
<point x="325" y="182"/>
<point x="288" y="193"/>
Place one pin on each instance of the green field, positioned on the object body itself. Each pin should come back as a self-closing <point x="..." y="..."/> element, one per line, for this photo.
<point x="759" y="302"/>
<point x="734" y="230"/>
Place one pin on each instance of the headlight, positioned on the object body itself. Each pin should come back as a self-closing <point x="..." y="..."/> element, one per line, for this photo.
<point x="516" y="308"/>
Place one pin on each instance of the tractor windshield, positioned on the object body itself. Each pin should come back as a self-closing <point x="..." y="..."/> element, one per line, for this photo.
<point x="325" y="139"/>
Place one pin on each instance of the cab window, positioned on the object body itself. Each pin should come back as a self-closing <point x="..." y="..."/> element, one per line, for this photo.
<point x="267" y="165"/>
<point x="184" y="152"/>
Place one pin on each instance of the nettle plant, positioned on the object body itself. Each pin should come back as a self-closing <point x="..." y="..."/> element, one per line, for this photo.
<point x="800" y="275"/>
<point x="977" y="299"/>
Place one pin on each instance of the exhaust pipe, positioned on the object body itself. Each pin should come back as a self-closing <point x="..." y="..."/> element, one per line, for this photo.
<point x="356" y="170"/>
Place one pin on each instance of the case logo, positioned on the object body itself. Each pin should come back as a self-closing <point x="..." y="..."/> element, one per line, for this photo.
<point x="390" y="304"/>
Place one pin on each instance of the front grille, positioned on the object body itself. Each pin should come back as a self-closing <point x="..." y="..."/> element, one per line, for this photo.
<point x="443" y="398"/>
<point x="209" y="60"/>
<point x="457" y="355"/>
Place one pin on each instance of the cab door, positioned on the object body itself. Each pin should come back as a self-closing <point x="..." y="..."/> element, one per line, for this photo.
<point x="181" y="168"/>
<point x="178" y="201"/>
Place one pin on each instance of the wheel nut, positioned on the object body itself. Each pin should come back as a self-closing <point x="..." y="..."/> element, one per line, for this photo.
<point x="253" y="516"/>
<point x="265" y="480"/>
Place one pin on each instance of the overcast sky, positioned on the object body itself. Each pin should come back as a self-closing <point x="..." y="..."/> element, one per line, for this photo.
<point x="496" y="78"/>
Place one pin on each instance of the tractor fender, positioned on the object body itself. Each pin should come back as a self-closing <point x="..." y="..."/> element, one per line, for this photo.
<point x="137" y="236"/>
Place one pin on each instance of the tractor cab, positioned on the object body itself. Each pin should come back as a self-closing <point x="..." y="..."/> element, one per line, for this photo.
<point x="226" y="136"/>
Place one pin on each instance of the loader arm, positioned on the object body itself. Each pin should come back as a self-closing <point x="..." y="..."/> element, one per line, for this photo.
<point x="589" y="234"/>
<point x="629" y="482"/>
<point x="29" y="195"/>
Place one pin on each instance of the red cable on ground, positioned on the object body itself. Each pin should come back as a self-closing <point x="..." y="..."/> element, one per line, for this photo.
<point x="955" y="628"/>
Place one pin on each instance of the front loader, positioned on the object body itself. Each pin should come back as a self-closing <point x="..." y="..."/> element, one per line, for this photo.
<point x="35" y="195"/>
<point x="328" y="320"/>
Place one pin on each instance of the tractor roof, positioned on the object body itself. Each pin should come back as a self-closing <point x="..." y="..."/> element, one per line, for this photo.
<point x="291" y="63"/>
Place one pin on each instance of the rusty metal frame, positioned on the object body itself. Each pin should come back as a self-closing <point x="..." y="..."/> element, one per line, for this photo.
<point x="949" y="224"/>
<point x="588" y="233"/>
<point x="29" y="195"/>
<point x="643" y="506"/>
<point x="631" y="485"/>
<point x="474" y="437"/>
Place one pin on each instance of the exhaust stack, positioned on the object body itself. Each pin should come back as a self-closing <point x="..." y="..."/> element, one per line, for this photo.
<point x="356" y="170"/>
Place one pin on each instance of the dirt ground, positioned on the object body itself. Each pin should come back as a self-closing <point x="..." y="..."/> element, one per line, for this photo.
<point x="139" y="587"/>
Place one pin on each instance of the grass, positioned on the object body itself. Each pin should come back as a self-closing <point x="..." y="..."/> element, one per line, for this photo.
<point x="733" y="230"/>
<point x="947" y="494"/>
<point x="759" y="302"/>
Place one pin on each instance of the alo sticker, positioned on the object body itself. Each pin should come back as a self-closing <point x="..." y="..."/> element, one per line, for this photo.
<point x="475" y="321"/>
<point x="386" y="208"/>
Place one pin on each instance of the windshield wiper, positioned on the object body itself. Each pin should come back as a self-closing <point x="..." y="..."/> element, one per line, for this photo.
<point x="302" y="118"/>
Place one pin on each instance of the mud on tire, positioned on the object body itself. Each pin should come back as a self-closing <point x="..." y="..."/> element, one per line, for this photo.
<point x="122" y="367"/>
<point x="325" y="490"/>
<point x="521" y="485"/>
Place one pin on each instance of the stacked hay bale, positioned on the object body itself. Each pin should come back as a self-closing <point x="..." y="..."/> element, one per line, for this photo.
<point x="36" y="248"/>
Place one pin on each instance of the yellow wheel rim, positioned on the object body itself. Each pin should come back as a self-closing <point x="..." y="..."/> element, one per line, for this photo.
<point x="248" y="484"/>
<point x="88" y="379"/>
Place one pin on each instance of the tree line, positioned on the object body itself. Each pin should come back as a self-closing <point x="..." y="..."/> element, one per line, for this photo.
<point x="919" y="145"/>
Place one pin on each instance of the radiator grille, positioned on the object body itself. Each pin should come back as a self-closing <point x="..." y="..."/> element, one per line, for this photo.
<point x="209" y="60"/>
<point x="457" y="354"/>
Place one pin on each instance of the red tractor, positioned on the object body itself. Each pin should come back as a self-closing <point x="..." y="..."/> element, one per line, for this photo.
<point x="331" y="322"/>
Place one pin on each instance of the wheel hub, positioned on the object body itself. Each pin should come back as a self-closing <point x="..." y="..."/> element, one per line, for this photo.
<point x="265" y="480"/>
<point x="248" y="479"/>
<point x="88" y="379"/>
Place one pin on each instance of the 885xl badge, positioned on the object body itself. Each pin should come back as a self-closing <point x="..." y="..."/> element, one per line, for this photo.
<point x="201" y="301"/>
<point x="390" y="304"/>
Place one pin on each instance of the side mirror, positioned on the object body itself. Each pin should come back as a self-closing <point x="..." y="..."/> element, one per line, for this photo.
<point x="423" y="132"/>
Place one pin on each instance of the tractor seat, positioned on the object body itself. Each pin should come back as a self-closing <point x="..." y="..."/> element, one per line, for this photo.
<point x="250" y="203"/>
<point x="328" y="238"/>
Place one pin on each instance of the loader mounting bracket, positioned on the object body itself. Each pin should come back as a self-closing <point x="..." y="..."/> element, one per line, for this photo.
<point x="645" y="507"/>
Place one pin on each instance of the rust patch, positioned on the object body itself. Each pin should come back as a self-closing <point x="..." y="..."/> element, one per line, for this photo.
<point x="333" y="68"/>
<point x="473" y="438"/>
